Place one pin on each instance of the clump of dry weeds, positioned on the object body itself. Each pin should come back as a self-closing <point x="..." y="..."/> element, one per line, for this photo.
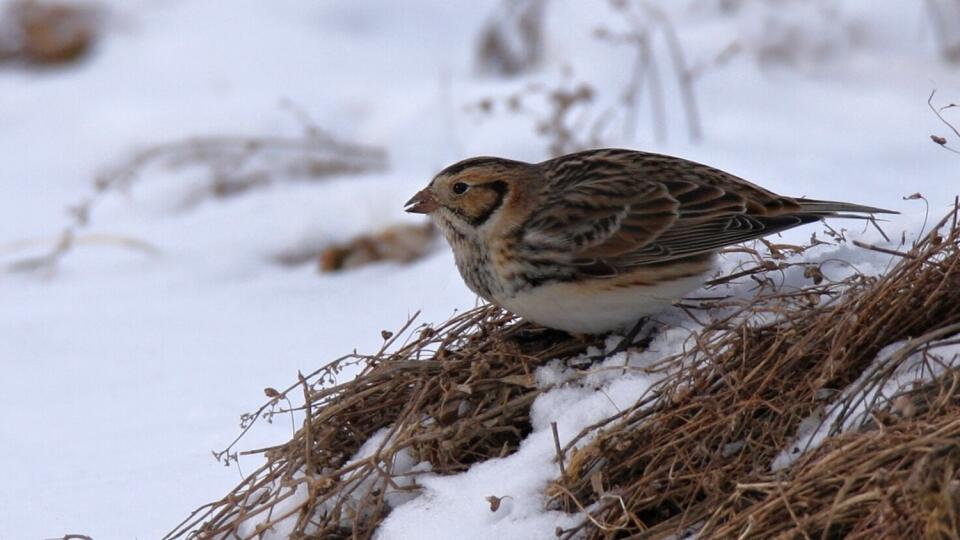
<point x="693" y="453"/>
<point x="454" y="395"/>
<point x="687" y="456"/>
<point x="899" y="480"/>
<point x="48" y="33"/>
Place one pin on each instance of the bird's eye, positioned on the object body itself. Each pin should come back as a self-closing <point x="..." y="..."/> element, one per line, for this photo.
<point x="460" y="188"/>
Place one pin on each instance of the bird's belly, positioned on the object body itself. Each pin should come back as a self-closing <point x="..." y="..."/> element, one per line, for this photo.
<point x="596" y="307"/>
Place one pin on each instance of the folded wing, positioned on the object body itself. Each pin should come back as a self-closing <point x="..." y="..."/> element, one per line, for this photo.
<point x="608" y="211"/>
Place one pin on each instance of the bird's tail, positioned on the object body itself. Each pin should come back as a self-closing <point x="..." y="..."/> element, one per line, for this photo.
<point x="840" y="209"/>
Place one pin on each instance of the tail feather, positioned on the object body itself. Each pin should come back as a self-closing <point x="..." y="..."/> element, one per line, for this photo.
<point x="839" y="209"/>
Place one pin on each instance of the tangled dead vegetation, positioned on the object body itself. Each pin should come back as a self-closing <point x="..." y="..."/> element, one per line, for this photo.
<point x="230" y="165"/>
<point x="898" y="480"/>
<point x="42" y="33"/>
<point x="451" y="397"/>
<point x="697" y="453"/>
<point x="694" y="453"/>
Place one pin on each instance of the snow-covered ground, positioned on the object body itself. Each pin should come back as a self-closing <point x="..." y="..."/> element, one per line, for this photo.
<point x="124" y="369"/>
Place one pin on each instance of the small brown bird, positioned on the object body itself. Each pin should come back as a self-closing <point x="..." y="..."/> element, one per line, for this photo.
<point x="593" y="241"/>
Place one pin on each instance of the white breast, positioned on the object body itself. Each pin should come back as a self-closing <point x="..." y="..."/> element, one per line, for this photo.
<point x="580" y="308"/>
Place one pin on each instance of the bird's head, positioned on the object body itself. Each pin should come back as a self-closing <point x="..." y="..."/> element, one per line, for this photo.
<point x="473" y="194"/>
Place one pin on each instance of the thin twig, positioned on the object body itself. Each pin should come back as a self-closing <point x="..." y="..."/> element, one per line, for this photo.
<point x="556" y="445"/>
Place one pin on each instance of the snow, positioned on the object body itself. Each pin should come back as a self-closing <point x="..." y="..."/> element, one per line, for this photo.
<point x="124" y="369"/>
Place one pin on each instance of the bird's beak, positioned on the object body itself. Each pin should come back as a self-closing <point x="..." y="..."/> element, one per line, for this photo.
<point x="422" y="203"/>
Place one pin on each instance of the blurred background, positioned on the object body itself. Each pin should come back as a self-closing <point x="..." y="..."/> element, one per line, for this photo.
<point x="198" y="199"/>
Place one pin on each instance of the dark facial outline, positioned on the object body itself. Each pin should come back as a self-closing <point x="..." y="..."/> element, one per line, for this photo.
<point x="499" y="187"/>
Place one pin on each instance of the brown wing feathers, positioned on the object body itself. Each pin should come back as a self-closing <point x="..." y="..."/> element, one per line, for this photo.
<point x="625" y="209"/>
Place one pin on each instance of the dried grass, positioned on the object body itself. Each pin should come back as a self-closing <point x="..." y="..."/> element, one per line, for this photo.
<point x="232" y="165"/>
<point x="679" y="459"/>
<point x="453" y="396"/>
<point x="48" y="33"/>
<point x="899" y="480"/>
<point x="693" y="453"/>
